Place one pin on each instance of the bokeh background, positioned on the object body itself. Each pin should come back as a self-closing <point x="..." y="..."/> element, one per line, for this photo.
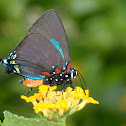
<point x="96" y="30"/>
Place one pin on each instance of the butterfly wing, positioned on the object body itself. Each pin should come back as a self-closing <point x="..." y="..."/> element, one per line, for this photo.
<point x="50" y="26"/>
<point x="36" y="54"/>
<point x="44" y="46"/>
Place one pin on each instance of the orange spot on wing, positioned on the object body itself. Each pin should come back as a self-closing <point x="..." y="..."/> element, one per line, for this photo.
<point x="46" y="73"/>
<point x="58" y="70"/>
<point x="32" y="83"/>
<point x="68" y="68"/>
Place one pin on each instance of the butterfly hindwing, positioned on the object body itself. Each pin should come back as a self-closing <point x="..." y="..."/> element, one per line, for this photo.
<point x="36" y="54"/>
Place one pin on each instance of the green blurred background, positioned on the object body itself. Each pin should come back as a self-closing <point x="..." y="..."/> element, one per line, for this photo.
<point x="96" y="30"/>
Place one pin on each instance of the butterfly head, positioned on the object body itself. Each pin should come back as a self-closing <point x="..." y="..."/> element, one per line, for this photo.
<point x="74" y="73"/>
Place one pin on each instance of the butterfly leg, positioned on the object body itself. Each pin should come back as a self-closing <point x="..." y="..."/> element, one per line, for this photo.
<point x="28" y="92"/>
<point x="48" y="90"/>
<point x="72" y="85"/>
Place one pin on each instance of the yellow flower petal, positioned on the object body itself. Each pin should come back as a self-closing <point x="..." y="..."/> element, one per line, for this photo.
<point x="79" y="90"/>
<point x="75" y="103"/>
<point x="87" y="93"/>
<point x="52" y="88"/>
<point x="23" y="97"/>
<point x="43" y="88"/>
<point x="61" y="111"/>
<point x="61" y="104"/>
<point x="82" y="104"/>
<point x="85" y="101"/>
<point x="28" y="99"/>
<point x="38" y="96"/>
<point x="68" y="90"/>
<point x="45" y="112"/>
<point x="91" y="100"/>
<point x="40" y="107"/>
<point x="34" y="103"/>
<point x="58" y="98"/>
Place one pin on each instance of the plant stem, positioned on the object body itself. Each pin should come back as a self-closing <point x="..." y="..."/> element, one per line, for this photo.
<point x="63" y="121"/>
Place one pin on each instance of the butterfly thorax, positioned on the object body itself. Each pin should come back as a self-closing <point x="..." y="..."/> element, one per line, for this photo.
<point x="62" y="78"/>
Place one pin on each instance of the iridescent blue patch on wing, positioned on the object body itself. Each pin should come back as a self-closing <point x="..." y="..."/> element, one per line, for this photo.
<point x="34" y="78"/>
<point x="56" y="44"/>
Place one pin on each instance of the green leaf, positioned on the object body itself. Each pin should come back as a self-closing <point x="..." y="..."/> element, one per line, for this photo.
<point x="15" y="120"/>
<point x="0" y="123"/>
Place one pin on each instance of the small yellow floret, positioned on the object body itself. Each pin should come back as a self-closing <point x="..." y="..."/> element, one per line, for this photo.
<point x="61" y="104"/>
<point x="45" y="88"/>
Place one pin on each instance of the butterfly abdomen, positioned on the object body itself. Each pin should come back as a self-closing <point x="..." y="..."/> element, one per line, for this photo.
<point x="31" y="83"/>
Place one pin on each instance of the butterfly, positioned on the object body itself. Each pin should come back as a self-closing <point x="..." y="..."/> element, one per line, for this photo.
<point x="43" y="56"/>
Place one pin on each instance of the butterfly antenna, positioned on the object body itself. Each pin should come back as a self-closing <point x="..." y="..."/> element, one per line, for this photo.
<point x="76" y="80"/>
<point x="83" y="80"/>
<point x="81" y="83"/>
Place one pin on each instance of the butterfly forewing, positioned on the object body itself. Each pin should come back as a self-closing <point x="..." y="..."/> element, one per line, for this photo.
<point x="50" y="26"/>
<point x="36" y="54"/>
<point x="44" y="46"/>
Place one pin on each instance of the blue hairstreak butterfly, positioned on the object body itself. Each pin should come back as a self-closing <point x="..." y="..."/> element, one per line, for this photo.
<point x="43" y="56"/>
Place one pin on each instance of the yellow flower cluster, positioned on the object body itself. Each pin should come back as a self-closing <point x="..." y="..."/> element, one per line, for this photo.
<point x="51" y="102"/>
